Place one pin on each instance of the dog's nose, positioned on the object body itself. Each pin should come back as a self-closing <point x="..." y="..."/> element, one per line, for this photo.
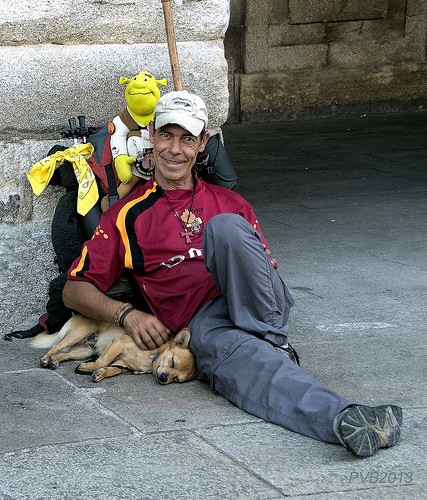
<point x="163" y="377"/>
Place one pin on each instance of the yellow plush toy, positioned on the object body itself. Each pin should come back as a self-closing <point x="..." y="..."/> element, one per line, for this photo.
<point x="130" y="145"/>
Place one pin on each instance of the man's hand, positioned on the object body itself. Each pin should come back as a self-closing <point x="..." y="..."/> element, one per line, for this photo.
<point x="145" y="329"/>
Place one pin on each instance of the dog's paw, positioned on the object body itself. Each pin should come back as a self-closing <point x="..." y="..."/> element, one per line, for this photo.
<point x="52" y="364"/>
<point x="49" y="363"/>
<point x="98" y="375"/>
<point x="44" y="362"/>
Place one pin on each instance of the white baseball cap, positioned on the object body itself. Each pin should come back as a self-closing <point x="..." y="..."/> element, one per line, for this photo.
<point x="181" y="108"/>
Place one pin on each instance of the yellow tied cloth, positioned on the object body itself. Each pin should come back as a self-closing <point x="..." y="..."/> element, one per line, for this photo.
<point x="41" y="174"/>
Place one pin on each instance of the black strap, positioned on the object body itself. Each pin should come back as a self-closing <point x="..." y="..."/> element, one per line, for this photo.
<point x="112" y="186"/>
<point x="24" y="334"/>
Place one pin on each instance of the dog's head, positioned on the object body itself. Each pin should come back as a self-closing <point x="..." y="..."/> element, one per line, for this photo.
<point x="174" y="362"/>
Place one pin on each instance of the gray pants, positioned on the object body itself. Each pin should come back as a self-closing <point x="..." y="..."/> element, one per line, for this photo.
<point x="228" y="332"/>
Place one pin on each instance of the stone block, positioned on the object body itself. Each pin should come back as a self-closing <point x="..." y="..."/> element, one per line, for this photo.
<point x="375" y="53"/>
<point x="41" y="86"/>
<point x="356" y="31"/>
<point x="255" y="53"/>
<point x="27" y="262"/>
<point x="309" y="11"/>
<point x="67" y="22"/>
<point x="298" y="57"/>
<point x="265" y="58"/>
<point x="258" y="13"/>
<point x="17" y="200"/>
<point x="291" y="34"/>
<point x="416" y="33"/>
<point x="328" y="92"/>
<point x="237" y="13"/>
<point x="416" y="7"/>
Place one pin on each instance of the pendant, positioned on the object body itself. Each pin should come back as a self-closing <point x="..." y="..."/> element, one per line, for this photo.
<point x="187" y="233"/>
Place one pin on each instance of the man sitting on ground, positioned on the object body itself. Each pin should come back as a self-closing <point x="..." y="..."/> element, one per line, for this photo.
<point x="199" y="258"/>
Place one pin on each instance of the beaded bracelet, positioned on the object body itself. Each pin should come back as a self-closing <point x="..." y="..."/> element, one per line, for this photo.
<point x="119" y="312"/>
<point x="123" y="315"/>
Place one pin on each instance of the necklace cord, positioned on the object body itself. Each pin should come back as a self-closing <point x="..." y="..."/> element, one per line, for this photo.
<point x="183" y="224"/>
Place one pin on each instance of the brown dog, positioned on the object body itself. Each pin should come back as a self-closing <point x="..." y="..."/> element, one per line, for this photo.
<point x="82" y="338"/>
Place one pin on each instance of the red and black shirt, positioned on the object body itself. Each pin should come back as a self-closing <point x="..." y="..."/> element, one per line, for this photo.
<point x="146" y="234"/>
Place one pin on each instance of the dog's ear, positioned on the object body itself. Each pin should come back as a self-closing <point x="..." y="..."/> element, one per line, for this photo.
<point x="183" y="338"/>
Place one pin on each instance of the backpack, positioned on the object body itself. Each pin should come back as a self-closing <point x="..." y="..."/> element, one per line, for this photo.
<point x="102" y="163"/>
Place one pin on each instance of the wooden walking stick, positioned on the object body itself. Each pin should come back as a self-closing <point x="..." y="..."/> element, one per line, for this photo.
<point x="170" y="37"/>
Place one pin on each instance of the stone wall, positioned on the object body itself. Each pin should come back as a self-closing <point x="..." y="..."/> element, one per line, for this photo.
<point x="294" y="59"/>
<point x="62" y="58"/>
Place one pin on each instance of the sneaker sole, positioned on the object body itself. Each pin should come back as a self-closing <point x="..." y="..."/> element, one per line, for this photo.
<point x="363" y="430"/>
